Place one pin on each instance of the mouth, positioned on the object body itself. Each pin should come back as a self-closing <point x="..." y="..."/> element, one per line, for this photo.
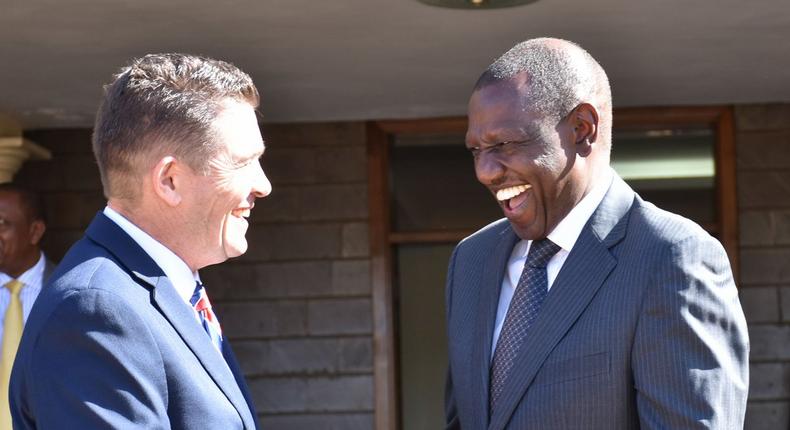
<point x="512" y="198"/>
<point x="242" y="212"/>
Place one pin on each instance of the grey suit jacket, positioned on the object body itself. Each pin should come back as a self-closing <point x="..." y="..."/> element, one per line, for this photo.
<point x="642" y="328"/>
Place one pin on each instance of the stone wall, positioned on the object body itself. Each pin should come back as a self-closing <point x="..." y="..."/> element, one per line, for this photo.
<point x="69" y="185"/>
<point x="297" y="306"/>
<point x="763" y="168"/>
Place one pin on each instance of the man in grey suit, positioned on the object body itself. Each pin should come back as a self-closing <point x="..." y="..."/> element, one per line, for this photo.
<point x="587" y="308"/>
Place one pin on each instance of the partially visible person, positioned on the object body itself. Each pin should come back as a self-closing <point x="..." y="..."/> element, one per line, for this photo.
<point x="23" y="270"/>
<point x="586" y="307"/>
<point x="124" y="336"/>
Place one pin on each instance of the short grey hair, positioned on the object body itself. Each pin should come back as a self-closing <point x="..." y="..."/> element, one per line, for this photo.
<point x="561" y="74"/>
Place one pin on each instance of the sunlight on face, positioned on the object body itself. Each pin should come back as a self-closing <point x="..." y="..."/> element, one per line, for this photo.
<point x="225" y="197"/>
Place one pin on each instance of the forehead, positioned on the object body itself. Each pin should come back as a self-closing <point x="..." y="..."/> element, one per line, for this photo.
<point x="513" y="87"/>
<point x="500" y="106"/>
<point x="11" y="204"/>
<point x="236" y="127"/>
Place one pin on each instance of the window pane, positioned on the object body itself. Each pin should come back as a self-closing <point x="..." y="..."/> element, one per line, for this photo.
<point x="420" y="279"/>
<point x="434" y="186"/>
<point x="674" y="169"/>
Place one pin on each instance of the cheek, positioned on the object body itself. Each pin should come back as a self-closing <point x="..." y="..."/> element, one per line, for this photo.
<point x="226" y="194"/>
<point x="236" y="187"/>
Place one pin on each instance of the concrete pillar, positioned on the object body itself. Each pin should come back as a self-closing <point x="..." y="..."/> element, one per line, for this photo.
<point x="15" y="149"/>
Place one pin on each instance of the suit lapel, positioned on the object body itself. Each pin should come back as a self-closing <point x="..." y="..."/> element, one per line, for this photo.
<point x="489" y="289"/>
<point x="128" y="253"/>
<point x="230" y="358"/>
<point x="584" y="271"/>
<point x="184" y="322"/>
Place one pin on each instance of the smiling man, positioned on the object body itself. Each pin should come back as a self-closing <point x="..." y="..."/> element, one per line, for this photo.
<point x="125" y="336"/>
<point x="587" y="307"/>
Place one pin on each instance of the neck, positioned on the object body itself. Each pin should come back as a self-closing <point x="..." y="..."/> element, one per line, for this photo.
<point x="157" y="223"/>
<point x="22" y="265"/>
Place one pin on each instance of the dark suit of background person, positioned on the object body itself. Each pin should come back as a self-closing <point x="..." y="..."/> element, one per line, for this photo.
<point x="114" y="341"/>
<point x="641" y="328"/>
<point x="21" y="262"/>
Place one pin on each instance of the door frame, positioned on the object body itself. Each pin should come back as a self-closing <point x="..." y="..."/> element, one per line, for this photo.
<point x="379" y="135"/>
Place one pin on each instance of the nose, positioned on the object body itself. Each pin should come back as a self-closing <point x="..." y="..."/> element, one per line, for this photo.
<point x="261" y="186"/>
<point x="488" y="169"/>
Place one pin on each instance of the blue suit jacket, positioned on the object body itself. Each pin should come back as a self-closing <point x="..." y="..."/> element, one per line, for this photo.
<point x="110" y="344"/>
<point x="642" y="328"/>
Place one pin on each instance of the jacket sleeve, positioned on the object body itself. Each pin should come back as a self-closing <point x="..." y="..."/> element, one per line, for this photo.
<point x="690" y="355"/>
<point x="95" y="365"/>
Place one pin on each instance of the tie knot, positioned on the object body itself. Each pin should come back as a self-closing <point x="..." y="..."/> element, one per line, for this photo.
<point x="196" y="294"/>
<point x="199" y="299"/>
<point x="541" y="252"/>
<point x="13" y="286"/>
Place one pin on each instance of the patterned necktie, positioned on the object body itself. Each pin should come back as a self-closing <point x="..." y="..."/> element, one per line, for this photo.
<point x="12" y="332"/>
<point x="199" y="301"/>
<point x="523" y="310"/>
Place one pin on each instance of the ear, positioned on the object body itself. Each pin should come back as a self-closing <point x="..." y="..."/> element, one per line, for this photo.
<point x="585" y="128"/>
<point x="37" y="229"/>
<point x="165" y="180"/>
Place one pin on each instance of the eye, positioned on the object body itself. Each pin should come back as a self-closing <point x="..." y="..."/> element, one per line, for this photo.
<point x="248" y="162"/>
<point x="512" y="144"/>
<point x="508" y="143"/>
<point x="501" y="146"/>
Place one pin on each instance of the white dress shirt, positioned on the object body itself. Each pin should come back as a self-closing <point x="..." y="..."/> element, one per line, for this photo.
<point x="564" y="234"/>
<point x="175" y="268"/>
<point x="31" y="285"/>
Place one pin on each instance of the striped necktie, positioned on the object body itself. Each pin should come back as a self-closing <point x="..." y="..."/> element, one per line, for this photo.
<point x="12" y="332"/>
<point x="209" y="321"/>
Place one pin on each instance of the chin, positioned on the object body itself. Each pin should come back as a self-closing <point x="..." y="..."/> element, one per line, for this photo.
<point x="528" y="233"/>
<point x="235" y="250"/>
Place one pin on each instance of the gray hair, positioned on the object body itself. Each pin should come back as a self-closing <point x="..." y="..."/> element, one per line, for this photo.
<point x="561" y="74"/>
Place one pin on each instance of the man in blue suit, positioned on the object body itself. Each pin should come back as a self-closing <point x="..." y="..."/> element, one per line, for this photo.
<point x="125" y="337"/>
<point x="587" y="307"/>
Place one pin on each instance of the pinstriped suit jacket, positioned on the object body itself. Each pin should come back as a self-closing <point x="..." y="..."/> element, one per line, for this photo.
<point x="642" y="328"/>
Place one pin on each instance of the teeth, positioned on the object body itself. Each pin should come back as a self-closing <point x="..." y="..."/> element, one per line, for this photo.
<point x="510" y="192"/>
<point x="241" y="213"/>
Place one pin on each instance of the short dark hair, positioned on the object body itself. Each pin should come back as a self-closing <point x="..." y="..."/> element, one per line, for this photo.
<point x="561" y="75"/>
<point x="31" y="201"/>
<point x="163" y="102"/>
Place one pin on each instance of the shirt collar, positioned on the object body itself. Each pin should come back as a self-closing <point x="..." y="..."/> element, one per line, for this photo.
<point x="175" y="268"/>
<point x="30" y="275"/>
<point x="569" y="228"/>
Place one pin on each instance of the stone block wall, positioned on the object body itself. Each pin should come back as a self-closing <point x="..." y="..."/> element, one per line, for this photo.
<point x="763" y="168"/>
<point x="69" y="186"/>
<point x="297" y="307"/>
